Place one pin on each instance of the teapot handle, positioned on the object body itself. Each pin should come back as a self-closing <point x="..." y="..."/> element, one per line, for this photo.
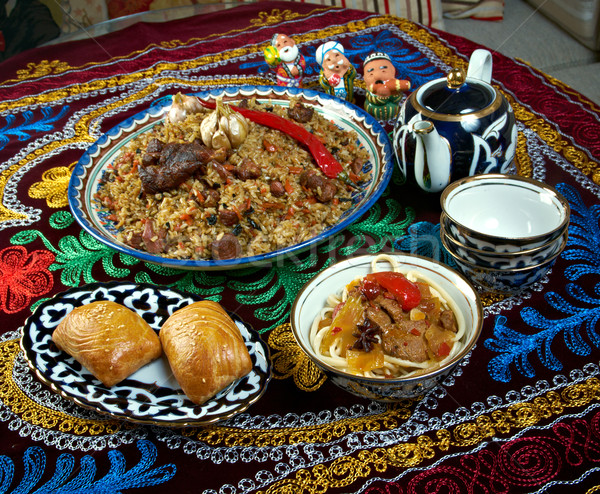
<point x="480" y="65"/>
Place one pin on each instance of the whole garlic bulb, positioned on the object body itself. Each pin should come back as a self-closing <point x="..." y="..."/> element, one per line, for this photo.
<point x="224" y="127"/>
<point x="182" y="106"/>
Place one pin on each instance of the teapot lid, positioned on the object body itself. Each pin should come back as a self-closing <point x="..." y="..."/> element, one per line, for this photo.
<point x="456" y="95"/>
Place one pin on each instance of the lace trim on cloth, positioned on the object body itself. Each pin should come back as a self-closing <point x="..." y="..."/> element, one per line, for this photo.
<point x="18" y="381"/>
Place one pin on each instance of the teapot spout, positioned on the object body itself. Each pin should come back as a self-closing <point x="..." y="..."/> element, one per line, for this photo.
<point x="433" y="157"/>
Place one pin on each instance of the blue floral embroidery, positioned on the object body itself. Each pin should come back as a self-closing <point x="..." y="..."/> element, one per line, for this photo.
<point x="70" y="478"/>
<point x="409" y="64"/>
<point x="23" y="132"/>
<point x="583" y="246"/>
<point x="581" y="318"/>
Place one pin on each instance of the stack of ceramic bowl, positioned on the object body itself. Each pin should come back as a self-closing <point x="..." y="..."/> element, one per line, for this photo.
<point x="503" y="231"/>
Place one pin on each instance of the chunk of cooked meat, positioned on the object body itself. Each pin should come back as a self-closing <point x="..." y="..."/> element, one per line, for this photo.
<point x="174" y="165"/>
<point x="378" y="316"/>
<point x="226" y="247"/>
<point x="155" y="241"/>
<point x="327" y="192"/>
<point x="152" y="153"/>
<point x="224" y="173"/>
<point x="210" y="198"/>
<point x="448" y="321"/>
<point x="357" y="165"/>
<point x="300" y="113"/>
<point x="402" y="342"/>
<point x="391" y="306"/>
<point x="440" y="340"/>
<point x="248" y="170"/>
<point x="228" y="217"/>
<point x="135" y="240"/>
<point x="323" y="188"/>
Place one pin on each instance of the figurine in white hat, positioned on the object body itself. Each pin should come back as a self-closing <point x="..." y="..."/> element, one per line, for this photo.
<point x="285" y="59"/>
<point x="384" y="91"/>
<point x="337" y="73"/>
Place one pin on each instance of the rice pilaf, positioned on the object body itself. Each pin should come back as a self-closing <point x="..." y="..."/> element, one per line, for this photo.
<point x="264" y="213"/>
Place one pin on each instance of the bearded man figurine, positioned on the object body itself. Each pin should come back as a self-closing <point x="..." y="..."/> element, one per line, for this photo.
<point x="285" y="59"/>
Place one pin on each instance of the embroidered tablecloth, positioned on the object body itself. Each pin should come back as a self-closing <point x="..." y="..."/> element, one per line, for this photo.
<point x="521" y="415"/>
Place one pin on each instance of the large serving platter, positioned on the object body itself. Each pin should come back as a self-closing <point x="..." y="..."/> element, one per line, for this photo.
<point x="88" y="172"/>
<point x="151" y="395"/>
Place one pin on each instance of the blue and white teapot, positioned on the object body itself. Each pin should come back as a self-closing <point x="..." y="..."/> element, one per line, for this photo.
<point x="455" y="127"/>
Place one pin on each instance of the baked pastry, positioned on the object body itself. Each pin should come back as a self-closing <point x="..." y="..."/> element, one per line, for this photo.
<point x="108" y="339"/>
<point x="205" y="349"/>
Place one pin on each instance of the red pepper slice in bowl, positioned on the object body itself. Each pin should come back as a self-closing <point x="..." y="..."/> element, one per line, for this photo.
<point x="404" y="290"/>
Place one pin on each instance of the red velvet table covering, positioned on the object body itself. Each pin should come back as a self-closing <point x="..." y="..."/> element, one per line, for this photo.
<point x="521" y="415"/>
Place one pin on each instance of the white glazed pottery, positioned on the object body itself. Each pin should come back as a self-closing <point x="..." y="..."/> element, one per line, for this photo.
<point x="313" y="296"/>
<point x="503" y="212"/>
<point x="504" y="281"/>
<point x="499" y="259"/>
<point x="454" y="127"/>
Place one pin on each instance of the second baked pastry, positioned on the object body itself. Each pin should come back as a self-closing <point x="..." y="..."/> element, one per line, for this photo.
<point x="205" y="349"/>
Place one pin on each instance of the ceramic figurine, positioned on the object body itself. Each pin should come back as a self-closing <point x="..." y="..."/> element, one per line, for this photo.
<point x="337" y="73"/>
<point x="384" y="91"/>
<point x="285" y="59"/>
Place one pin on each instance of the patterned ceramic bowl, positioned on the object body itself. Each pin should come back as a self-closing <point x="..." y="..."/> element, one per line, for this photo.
<point x="313" y="297"/>
<point x="503" y="213"/>
<point x="506" y="281"/>
<point x="503" y="260"/>
<point x="89" y="172"/>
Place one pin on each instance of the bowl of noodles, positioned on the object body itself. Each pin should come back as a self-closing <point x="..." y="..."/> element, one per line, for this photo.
<point x="387" y="327"/>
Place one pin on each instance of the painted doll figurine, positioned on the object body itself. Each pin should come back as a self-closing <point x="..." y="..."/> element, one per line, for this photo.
<point x="285" y="59"/>
<point x="337" y="73"/>
<point x="384" y="91"/>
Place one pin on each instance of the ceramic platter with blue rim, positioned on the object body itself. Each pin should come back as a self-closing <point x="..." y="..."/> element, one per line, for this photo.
<point x="88" y="172"/>
<point x="150" y="395"/>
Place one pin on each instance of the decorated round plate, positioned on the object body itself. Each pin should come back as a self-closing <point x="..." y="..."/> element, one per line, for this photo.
<point x="151" y="395"/>
<point x="93" y="165"/>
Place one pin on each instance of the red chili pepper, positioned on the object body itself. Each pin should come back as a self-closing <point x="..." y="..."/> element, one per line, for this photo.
<point x="330" y="166"/>
<point x="404" y="290"/>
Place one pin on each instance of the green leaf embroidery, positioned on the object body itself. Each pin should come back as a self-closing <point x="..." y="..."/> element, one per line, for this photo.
<point x="28" y="236"/>
<point x="76" y="257"/>
<point x="382" y="230"/>
<point x="289" y="276"/>
<point x="201" y="283"/>
<point x="61" y="220"/>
